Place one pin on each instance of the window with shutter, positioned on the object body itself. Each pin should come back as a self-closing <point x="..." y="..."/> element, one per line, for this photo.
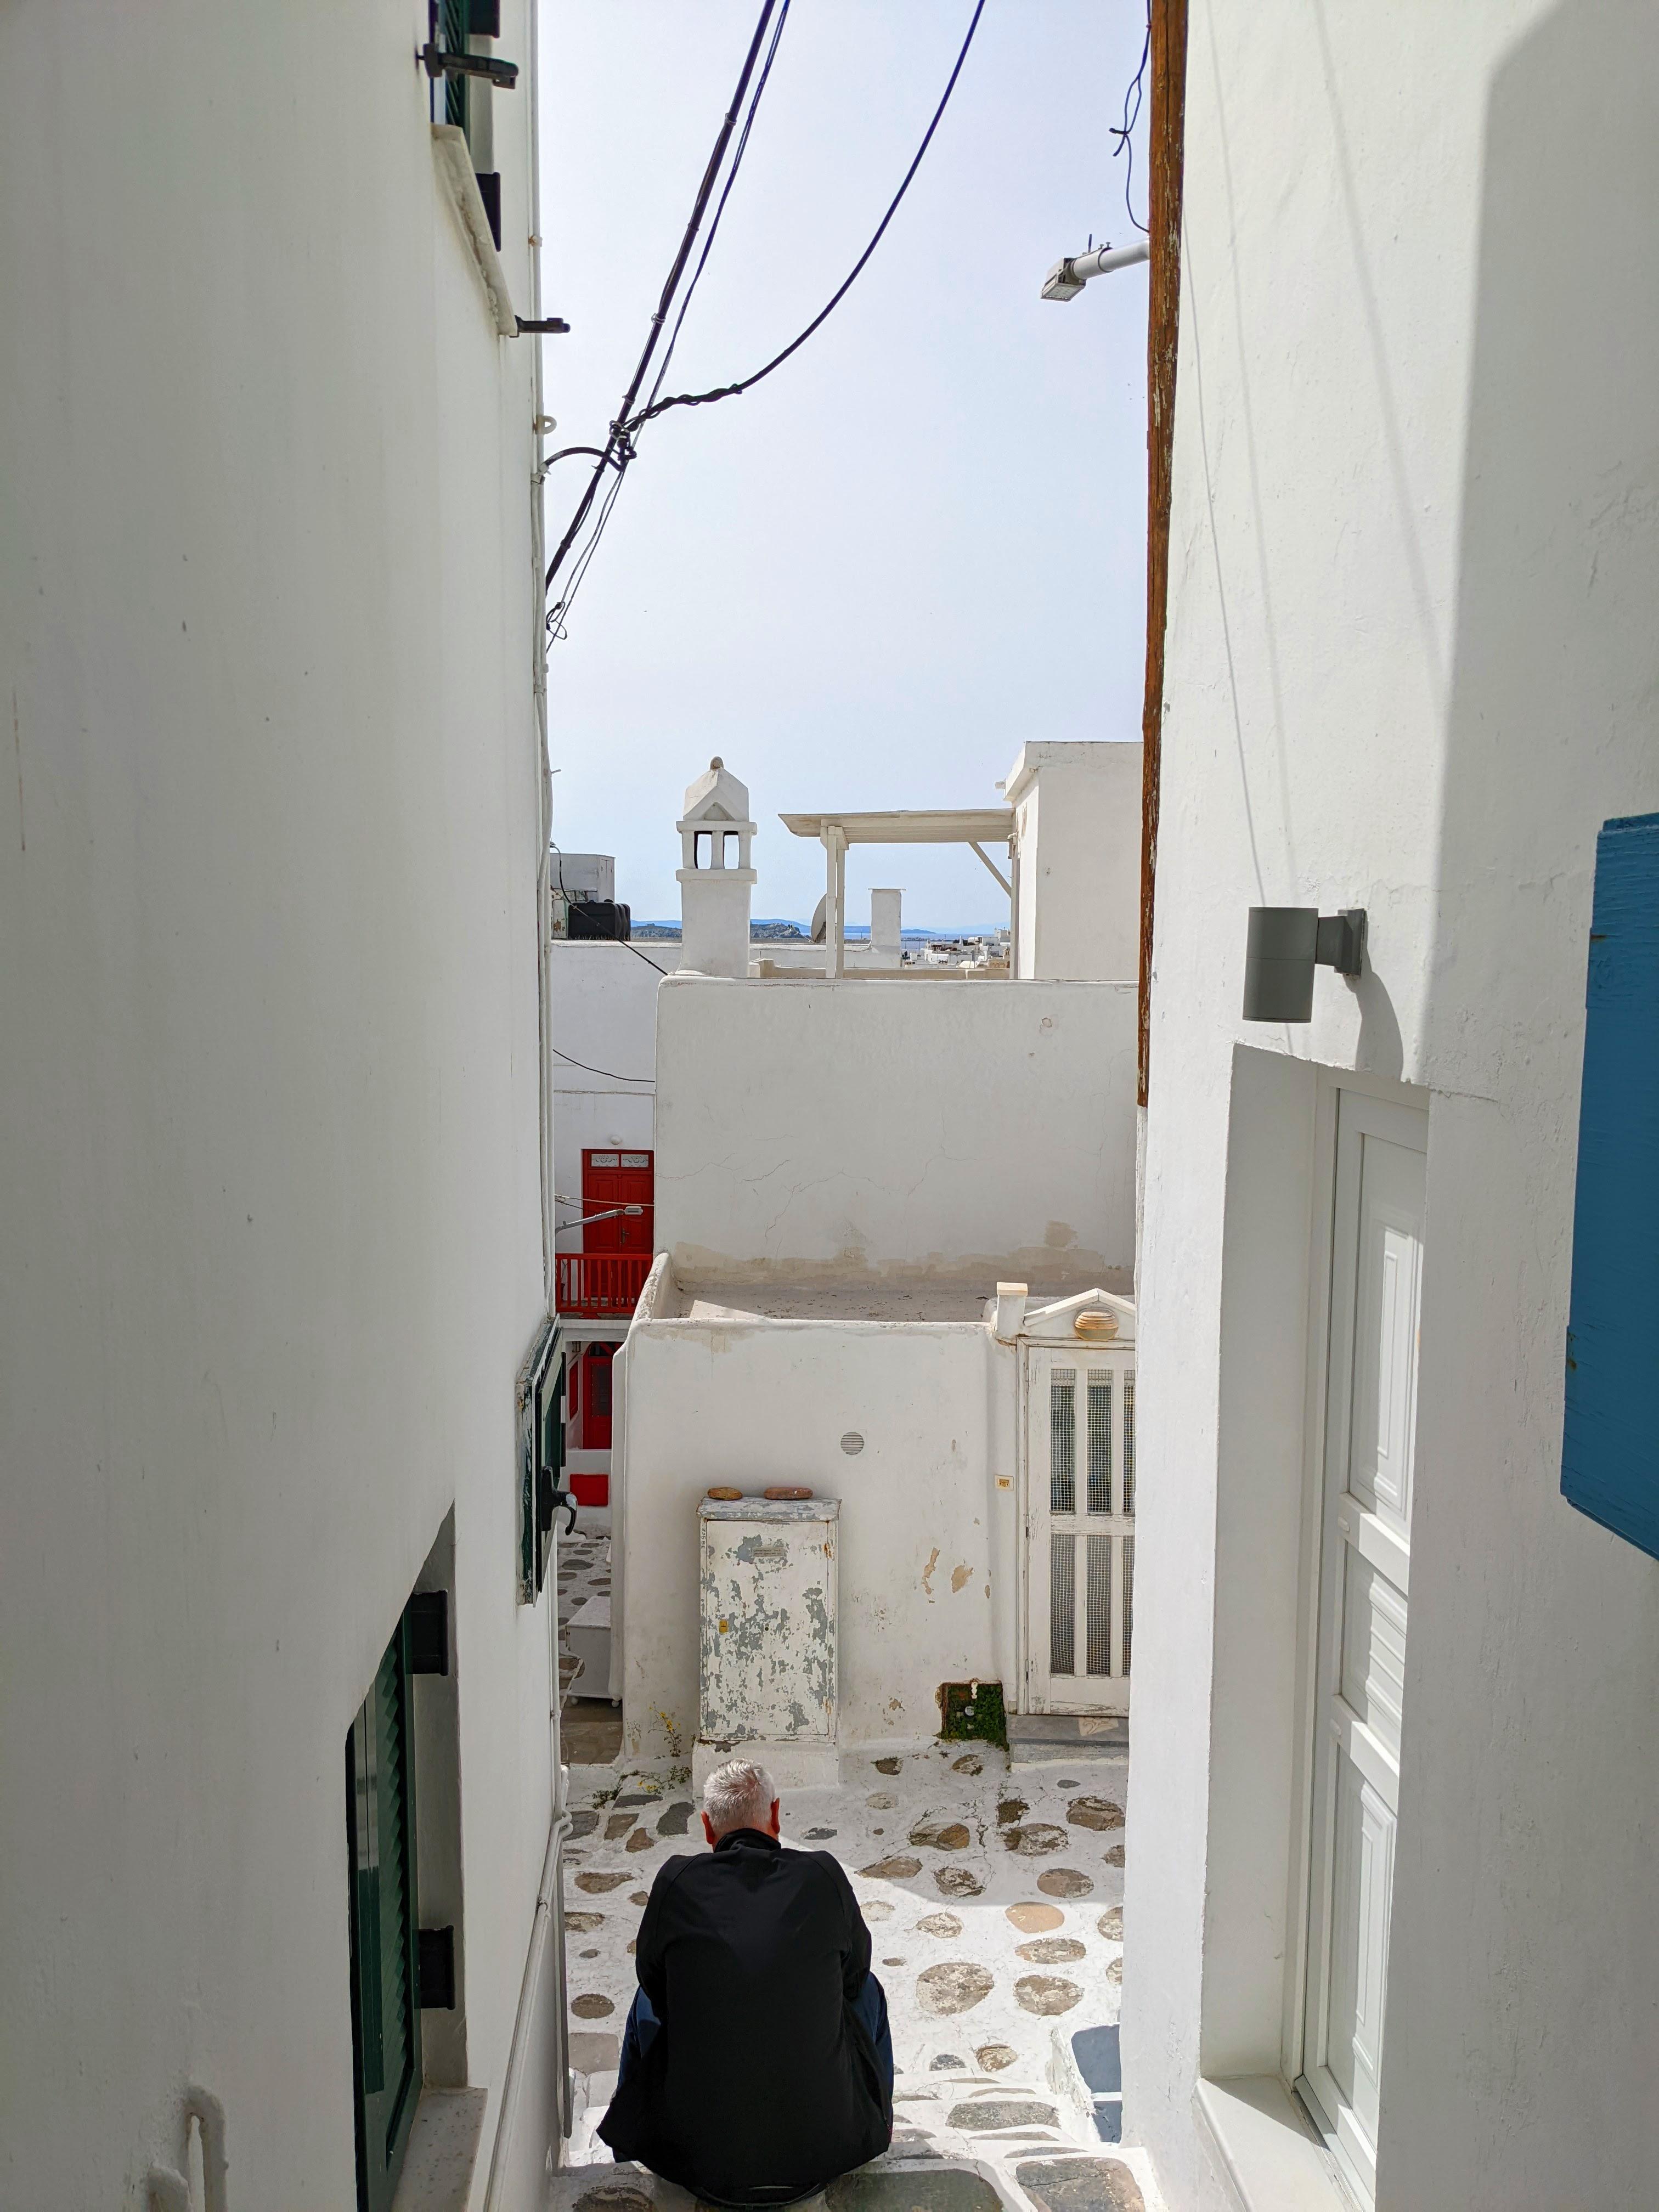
<point x="540" y="1455"/>
<point x="386" y="2015"/>
<point x="1610" y="1440"/>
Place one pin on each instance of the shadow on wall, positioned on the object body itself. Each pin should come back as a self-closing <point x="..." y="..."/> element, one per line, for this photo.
<point x="1542" y="1629"/>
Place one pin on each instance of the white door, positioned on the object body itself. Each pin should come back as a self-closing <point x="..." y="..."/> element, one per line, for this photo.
<point x="1079" y="1529"/>
<point x="1365" y="1578"/>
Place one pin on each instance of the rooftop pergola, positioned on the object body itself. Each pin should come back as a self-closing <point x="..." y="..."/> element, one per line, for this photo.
<point x="975" y="827"/>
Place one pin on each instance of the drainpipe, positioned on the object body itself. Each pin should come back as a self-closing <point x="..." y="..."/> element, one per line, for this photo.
<point x="547" y="1927"/>
<point x="167" y="2190"/>
<point x="1169" y="69"/>
<point x="538" y="684"/>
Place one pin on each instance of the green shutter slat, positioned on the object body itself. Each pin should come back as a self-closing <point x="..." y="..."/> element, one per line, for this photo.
<point x="385" y="1934"/>
<point x="455" y="28"/>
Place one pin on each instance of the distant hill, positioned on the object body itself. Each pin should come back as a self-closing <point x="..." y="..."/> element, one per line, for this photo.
<point x="792" y="932"/>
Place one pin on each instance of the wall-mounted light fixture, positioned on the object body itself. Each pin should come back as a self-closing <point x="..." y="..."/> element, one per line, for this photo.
<point x="1284" y="945"/>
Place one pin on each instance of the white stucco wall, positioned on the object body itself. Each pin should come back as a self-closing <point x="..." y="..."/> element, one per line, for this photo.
<point x="604" y="1014"/>
<point x="883" y="1127"/>
<point x="1412" y="662"/>
<point x="926" y="1538"/>
<point x="269" y="1202"/>
<point x="1077" y="812"/>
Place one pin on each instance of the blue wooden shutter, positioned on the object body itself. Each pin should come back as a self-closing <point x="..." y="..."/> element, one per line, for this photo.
<point x="386" y="2016"/>
<point x="1610" y="1445"/>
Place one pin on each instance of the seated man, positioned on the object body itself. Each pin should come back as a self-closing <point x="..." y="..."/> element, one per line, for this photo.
<point x="757" y="2063"/>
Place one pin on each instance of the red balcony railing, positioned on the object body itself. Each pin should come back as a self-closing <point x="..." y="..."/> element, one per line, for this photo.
<point x="601" y="1282"/>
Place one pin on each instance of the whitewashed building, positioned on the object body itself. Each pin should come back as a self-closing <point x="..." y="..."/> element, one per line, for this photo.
<point x="278" y="1769"/>
<point x="882" y="1199"/>
<point x="1389" y="1926"/>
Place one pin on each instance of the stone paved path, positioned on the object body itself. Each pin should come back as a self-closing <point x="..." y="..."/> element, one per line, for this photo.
<point x="994" y="1900"/>
<point x="584" y="1572"/>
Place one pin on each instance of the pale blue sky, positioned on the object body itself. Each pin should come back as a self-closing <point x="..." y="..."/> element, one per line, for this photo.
<point x="869" y="581"/>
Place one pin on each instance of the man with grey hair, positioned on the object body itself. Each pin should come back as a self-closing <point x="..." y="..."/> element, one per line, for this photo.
<point x="756" y="2064"/>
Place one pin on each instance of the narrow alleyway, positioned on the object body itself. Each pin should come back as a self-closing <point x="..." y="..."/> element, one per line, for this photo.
<point x="995" y="1898"/>
<point x="592" y="1725"/>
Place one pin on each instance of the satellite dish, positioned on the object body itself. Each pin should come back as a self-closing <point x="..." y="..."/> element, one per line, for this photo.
<point x="820" y="921"/>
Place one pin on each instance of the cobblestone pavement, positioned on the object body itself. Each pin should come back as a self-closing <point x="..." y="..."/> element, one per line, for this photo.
<point x="994" y="1900"/>
<point x="584" y="1572"/>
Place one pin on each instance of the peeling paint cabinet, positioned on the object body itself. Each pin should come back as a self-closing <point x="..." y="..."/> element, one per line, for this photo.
<point x="768" y="1635"/>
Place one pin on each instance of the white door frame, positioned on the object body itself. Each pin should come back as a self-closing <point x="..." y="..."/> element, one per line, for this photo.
<point x="1104" y="1467"/>
<point x="1334" y="1529"/>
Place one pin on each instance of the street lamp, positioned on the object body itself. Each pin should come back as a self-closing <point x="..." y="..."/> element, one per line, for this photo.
<point x="1067" y="278"/>
<point x="610" y="1214"/>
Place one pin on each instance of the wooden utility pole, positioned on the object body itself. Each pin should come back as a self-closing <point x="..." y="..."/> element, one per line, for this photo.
<point x="1168" y="70"/>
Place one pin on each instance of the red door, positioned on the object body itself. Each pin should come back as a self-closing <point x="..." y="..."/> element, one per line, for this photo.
<point x="613" y="1180"/>
<point x="596" y="1397"/>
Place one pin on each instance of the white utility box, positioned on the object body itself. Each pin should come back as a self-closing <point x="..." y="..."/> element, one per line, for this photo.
<point x="767" y="1638"/>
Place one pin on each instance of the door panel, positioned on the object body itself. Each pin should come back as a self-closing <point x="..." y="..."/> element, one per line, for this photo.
<point x="618" y="1178"/>
<point x="1377" y="1265"/>
<point x="1079" y="1529"/>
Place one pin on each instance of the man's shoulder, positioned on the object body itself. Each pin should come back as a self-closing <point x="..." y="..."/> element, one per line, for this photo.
<point x="673" y="1870"/>
<point x="823" y="1866"/>
<point x="677" y="1864"/>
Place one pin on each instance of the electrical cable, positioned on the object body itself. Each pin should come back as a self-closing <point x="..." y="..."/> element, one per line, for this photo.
<point x="619" y="446"/>
<point x="726" y="194"/>
<point x="609" y="1072"/>
<point x="559" y="851"/>
<point x="621" y="449"/>
<point x="1125" y="142"/>
<point x="734" y="391"/>
<point x="621" y="452"/>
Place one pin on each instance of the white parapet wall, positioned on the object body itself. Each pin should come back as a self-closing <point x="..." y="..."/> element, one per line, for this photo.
<point x="910" y="1126"/>
<point x="908" y="1424"/>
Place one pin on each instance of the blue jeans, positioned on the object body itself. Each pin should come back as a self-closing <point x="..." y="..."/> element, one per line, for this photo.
<point x="870" y="2006"/>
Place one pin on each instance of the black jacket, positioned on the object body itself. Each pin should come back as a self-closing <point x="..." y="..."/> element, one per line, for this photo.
<point x="761" y="2085"/>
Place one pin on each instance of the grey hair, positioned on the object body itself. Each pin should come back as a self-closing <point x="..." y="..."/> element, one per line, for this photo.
<point x="737" y="1795"/>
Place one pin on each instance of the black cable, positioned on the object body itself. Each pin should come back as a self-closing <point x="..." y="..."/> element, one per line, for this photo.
<point x="624" y="452"/>
<point x="609" y="1071"/>
<point x="558" y="852"/>
<point x="1125" y="142"/>
<point x="726" y="194"/>
<point x="619" y="445"/>
<point x="732" y="390"/>
<point x="649" y="963"/>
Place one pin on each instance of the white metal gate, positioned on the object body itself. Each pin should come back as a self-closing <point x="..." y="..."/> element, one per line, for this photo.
<point x="1079" y="1527"/>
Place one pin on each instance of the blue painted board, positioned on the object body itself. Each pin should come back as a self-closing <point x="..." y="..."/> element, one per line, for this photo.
<point x="1610" y="1443"/>
<point x="1096" y="2051"/>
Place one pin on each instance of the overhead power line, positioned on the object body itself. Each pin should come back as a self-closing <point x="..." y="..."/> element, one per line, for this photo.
<point x="620" y="450"/>
<point x="608" y="1072"/>
<point x="734" y="391"/>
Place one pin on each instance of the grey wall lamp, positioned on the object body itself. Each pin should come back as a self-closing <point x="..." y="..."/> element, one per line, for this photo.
<point x="1284" y="945"/>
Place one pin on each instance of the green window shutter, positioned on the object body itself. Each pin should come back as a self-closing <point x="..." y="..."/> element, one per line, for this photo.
<point x="455" y="27"/>
<point x="386" y="2016"/>
<point x="540" y="1398"/>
